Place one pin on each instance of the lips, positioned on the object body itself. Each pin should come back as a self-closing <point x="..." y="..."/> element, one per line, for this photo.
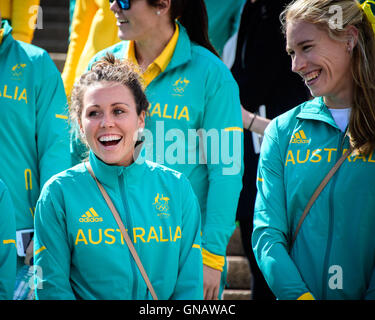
<point x="311" y="77"/>
<point x="110" y="139"/>
<point x="121" y="20"/>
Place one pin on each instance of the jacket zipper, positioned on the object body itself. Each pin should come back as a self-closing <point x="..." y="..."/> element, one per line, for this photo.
<point x="128" y="223"/>
<point x="330" y="223"/>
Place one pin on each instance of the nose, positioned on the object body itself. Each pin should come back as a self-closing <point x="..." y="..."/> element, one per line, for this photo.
<point x="298" y="63"/>
<point x="114" y="7"/>
<point x="107" y="121"/>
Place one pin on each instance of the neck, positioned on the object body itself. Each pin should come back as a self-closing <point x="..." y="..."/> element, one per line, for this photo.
<point x="147" y="50"/>
<point x="343" y="99"/>
<point x="337" y="103"/>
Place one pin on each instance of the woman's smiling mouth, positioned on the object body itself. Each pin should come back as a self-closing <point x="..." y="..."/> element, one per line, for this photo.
<point x="110" y="140"/>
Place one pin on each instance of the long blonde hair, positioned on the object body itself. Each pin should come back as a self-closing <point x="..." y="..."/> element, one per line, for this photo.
<point x="319" y="12"/>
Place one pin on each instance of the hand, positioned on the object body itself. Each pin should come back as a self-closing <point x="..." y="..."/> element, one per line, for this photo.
<point x="29" y="252"/>
<point x="211" y="283"/>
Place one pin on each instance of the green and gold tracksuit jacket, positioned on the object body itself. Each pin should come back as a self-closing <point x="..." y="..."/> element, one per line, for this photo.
<point x="196" y="94"/>
<point x="34" y="130"/>
<point x="333" y="256"/>
<point x="8" y="251"/>
<point x="79" y="246"/>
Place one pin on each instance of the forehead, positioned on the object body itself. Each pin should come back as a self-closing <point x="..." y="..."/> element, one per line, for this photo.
<point x="298" y="32"/>
<point x="107" y="93"/>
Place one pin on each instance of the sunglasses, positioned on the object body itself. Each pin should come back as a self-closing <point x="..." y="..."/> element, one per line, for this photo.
<point x="123" y="4"/>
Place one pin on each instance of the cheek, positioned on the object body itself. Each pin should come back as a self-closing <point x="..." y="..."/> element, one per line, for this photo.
<point x="88" y="129"/>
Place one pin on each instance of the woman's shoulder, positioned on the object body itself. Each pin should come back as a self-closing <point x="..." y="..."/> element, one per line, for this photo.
<point x="208" y="62"/>
<point x="163" y="171"/>
<point x="284" y="124"/>
<point x="63" y="179"/>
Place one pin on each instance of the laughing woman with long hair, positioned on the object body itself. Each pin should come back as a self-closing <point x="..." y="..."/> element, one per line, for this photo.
<point x="332" y="47"/>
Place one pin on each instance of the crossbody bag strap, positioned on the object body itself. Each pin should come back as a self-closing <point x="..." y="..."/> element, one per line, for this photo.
<point x="123" y="232"/>
<point x="317" y="192"/>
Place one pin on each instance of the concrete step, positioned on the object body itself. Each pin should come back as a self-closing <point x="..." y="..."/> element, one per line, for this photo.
<point x="238" y="279"/>
<point x="56" y="14"/>
<point x="53" y="30"/>
<point x="237" y="295"/>
<point x="52" y="45"/>
<point x="55" y="3"/>
<point x="53" y="35"/>
<point x="58" y="59"/>
<point x="239" y="275"/>
<point x="235" y="247"/>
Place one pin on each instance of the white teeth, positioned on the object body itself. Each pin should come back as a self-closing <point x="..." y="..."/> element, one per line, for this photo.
<point x="109" y="138"/>
<point x="312" y="75"/>
<point x="123" y="21"/>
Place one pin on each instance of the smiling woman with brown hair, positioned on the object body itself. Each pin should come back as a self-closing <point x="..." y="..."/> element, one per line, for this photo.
<point x="79" y="237"/>
<point x="314" y="214"/>
<point x="190" y="90"/>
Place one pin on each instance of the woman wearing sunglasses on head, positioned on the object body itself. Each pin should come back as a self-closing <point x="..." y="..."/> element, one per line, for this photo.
<point x="314" y="214"/>
<point x="190" y="90"/>
<point x="80" y="245"/>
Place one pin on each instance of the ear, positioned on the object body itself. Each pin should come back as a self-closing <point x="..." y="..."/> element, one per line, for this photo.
<point x="164" y="6"/>
<point x="352" y="36"/>
<point x="82" y="132"/>
<point x="141" y="119"/>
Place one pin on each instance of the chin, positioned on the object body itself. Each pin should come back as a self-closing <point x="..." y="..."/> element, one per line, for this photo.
<point x="316" y="92"/>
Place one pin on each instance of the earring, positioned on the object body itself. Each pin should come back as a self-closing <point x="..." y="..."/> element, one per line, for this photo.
<point x="348" y="47"/>
<point x="140" y="134"/>
<point x="158" y="13"/>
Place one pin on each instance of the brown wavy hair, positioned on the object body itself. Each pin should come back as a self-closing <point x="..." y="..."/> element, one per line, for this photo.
<point x="362" y="118"/>
<point x="109" y="69"/>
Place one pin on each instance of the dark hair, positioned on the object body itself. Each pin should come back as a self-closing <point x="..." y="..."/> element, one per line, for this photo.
<point x="192" y="14"/>
<point x="109" y="69"/>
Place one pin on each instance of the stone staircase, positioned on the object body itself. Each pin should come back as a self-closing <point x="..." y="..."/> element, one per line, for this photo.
<point x="239" y="275"/>
<point x="54" y="33"/>
<point x="53" y="37"/>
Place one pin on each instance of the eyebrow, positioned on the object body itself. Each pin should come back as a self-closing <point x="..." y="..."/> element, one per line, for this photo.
<point x="303" y="42"/>
<point x="112" y="104"/>
<point x="299" y="44"/>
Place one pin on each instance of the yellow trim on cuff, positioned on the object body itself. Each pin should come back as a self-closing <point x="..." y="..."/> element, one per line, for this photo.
<point x="306" y="296"/>
<point x="39" y="250"/>
<point x="10" y="241"/>
<point x="234" y="129"/>
<point x="1" y="35"/>
<point x="197" y="246"/>
<point x="60" y="116"/>
<point x="260" y="179"/>
<point x="212" y="260"/>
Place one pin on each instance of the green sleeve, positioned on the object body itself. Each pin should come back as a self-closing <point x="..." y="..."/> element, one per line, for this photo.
<point x="271" y="231"/>
<point x="224" y="163"/>
<point x="189" y="284"/>
<point x="52" y="254"/>
<point x="8" y="254"/>
<point x="52" y="122"/>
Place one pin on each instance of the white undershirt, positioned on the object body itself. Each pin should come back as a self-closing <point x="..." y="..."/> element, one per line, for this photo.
<point x="341" y="117"/>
